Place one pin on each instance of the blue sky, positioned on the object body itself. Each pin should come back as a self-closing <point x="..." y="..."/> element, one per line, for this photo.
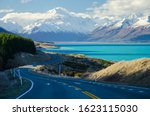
<point x="45" y="5"/>
<point x="102" y="8"/>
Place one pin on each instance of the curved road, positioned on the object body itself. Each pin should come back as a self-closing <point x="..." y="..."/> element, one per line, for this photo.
<point x="49" y="87"/>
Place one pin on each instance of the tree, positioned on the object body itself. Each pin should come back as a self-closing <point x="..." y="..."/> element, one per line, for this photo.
<point x="11" y="44"/>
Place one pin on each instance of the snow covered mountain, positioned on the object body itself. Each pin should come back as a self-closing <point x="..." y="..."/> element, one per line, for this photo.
<point x="57" y="20"/>
<point x="3" y="30"/>
<point x="131" y="29"/>
<point x="60" y="24"/>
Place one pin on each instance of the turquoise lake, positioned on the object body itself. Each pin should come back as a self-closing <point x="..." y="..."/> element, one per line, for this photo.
<point x="114" y="52"/>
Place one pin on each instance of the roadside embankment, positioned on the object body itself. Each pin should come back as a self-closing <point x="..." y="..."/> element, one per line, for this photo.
<point x="135" y="72"/>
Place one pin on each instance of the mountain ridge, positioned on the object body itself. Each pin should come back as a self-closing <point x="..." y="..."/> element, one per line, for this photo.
<point x="2" y="30"/>
<point x="60" y="23"/>
<point x="126" y="30"/>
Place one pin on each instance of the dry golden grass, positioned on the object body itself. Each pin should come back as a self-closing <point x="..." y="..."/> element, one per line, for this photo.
<point x="136" y="72"/>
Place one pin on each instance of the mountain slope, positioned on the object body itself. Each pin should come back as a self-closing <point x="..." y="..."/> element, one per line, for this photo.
<point x="130" y="29"/>
<point x="57" y="37"/>
<point x="3" y="30"/>
<point x="136" y="72"/>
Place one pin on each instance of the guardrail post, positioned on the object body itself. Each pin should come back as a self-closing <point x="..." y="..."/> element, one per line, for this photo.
<point x="14" y="72"/>
<point x="20" y="77"/>
<point x="59" y="69"/>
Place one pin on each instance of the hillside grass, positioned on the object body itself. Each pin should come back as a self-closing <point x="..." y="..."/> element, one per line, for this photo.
<point x="135" y="72"/>
<point x="12" y="92"/>
<point x="74" y="65"/>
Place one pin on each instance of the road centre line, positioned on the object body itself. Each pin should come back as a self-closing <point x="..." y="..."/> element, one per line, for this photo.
<point x="90" y="95"/>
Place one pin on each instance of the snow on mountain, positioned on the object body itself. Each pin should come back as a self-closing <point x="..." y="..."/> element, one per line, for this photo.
<point x="125" y="30"/>
<point x="3" y="30"/>
<point x="60" y="23"/>
<point x="142" y="21"/>
<point x="55" y="20"/>
<point x="133" y="21"/>
<point x="10" y="26"/>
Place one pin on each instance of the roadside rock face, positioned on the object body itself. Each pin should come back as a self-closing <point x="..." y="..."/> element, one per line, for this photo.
<point x="21" y="59"/>
<point x="6" y="80"/>
<point x="136" y="72"/>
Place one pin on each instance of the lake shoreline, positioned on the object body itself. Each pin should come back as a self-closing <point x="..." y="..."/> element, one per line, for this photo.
<point x="112" y="52"/>
<point x="98" y="43"/>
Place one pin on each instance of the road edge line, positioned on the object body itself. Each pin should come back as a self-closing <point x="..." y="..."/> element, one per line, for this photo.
<point x="32" y="84"/>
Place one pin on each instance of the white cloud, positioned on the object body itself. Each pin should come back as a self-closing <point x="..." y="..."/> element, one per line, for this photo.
<point x="121" y="8"/>
<point x="26" y="18"/>
<point x="25" y="1"/>
<point x="6" y="10"/>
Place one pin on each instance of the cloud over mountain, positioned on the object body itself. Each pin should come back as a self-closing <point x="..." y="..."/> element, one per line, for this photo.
<point x="115" y="20"/>
<point x="25" y="1"/>
<point x="57" y="19"/>
<point x="6" y="10"/>
<point x="121" y="8"/>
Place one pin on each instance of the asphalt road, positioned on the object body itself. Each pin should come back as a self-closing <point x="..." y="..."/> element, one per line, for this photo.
<point x="48" y="87"/>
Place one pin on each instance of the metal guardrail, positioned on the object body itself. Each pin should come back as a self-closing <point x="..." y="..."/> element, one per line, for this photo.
<point x="16" y="73"/>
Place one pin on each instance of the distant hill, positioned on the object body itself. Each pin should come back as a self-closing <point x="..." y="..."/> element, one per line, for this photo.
<point x="57" y="37"/>
<point x="136" y="72"/>
<point x="3" y="30"/>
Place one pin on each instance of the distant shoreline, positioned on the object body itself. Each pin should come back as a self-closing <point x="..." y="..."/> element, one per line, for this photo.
<point x="99" y="43"/>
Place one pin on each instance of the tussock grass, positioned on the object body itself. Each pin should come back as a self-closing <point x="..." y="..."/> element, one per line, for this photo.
<point x="136" y="72"/>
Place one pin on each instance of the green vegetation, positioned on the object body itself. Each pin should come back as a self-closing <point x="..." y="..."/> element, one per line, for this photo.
<point x="11" y="44"/>
<point x="14" y="91"/>
<point x="10" y="87"/>
<point x="78" y="67"/>
<point x="75" y="66"/>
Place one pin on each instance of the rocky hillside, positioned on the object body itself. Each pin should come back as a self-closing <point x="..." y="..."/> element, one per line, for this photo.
<point x="21" y="59"/>
<point x="136" y="72"/>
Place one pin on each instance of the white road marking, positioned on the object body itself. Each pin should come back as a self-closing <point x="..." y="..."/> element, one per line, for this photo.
<point x="69" y="86"/>
<point x="141" y="91"/>
<point x="55" y="81"/>
<point x="77" y="89"/>
<point x="64" y="83"/>
<point x="122" y="88"/>
<point x="115" y="86"/>
<point x="93" y="83"/>
<point x="48" y="84"/>
<point x="77" y="83"/>
<point x="32" y="84"/>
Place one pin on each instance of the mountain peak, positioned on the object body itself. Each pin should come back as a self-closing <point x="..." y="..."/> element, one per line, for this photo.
<point x="59" y="10"/>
